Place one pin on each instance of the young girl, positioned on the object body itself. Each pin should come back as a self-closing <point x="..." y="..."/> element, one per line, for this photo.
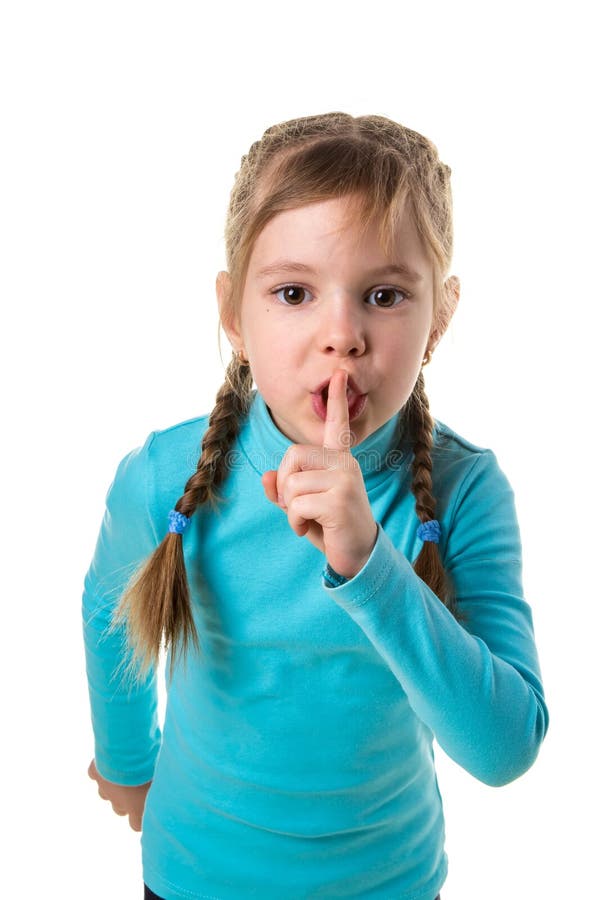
<point x="336" y="576"/>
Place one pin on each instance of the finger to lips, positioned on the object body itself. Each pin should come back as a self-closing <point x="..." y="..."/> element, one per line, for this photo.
<point x="337" y="423"/>
<point x="336" y="436"/>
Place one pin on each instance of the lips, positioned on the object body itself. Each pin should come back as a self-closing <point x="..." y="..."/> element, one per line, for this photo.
<point x="356" y="404"/>
<point x="352" y="389"/>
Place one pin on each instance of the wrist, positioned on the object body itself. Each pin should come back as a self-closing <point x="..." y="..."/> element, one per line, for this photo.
<point x="336" y="577"/>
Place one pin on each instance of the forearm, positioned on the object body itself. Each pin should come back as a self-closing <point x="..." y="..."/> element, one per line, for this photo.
<point x="124" y="720"/>
<point x="124" y="715"/>
<point x="485" y="713"/>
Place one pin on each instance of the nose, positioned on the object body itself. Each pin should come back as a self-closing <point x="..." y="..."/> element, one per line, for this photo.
<point x="341" y="328"/>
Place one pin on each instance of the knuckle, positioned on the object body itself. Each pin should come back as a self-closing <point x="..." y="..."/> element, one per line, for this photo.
<point x="292" y="484"/>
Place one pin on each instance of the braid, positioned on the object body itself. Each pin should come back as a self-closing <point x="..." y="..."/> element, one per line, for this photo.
<point x="156" y="602"/>
<point x="231" y="406"/>
<point x="428" y="564"/>
<point x="422" y="431"/>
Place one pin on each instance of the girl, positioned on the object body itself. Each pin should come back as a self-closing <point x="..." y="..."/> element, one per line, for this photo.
<point x="339" y="580"/>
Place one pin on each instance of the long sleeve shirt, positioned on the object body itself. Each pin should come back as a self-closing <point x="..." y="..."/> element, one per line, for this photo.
<point x="296" y="755"/>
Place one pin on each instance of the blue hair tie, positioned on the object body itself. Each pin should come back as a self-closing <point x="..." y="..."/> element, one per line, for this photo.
<point x="177" y="522"/>
<point x="430" y="531"/>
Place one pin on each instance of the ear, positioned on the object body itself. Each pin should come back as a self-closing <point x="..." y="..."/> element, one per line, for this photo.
<point x="228" y="320"/>
<point x="451" y="296"/>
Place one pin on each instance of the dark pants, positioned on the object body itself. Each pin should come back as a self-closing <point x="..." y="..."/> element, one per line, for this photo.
<point x="150" y="895"/>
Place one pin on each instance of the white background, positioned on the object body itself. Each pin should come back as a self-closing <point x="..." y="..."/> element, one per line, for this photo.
<point x="123" y="125"/>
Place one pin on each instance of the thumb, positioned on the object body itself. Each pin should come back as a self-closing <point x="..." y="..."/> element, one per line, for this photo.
<point x="269" y="483"/>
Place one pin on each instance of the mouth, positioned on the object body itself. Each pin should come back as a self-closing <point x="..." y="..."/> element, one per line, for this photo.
<point x="356" y="399"/>
<point x="353" y="392"/>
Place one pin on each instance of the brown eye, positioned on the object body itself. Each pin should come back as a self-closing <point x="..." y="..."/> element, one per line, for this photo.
<point x="384" y="297"/>
<point x="293" y="294"/>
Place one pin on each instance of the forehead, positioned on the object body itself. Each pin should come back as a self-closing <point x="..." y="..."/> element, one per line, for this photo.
<point x="316" y="231"/>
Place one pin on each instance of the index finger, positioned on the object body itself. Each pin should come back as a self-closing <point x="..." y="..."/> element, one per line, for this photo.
<point x="337" y="424"/>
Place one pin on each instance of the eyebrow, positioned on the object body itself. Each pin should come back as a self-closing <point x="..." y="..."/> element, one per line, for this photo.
<point x="290" y="265"/>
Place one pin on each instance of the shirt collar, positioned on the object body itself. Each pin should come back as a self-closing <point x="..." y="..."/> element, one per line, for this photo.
<point x="381" y="453"/>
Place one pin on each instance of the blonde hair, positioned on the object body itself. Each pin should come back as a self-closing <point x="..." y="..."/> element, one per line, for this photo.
<point x="390" y="170"/>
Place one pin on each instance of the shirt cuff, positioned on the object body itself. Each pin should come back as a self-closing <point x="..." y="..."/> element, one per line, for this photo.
<point x="331" y="579"/>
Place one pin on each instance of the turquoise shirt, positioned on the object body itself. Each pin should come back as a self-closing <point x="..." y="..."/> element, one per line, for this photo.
<point x="296" y="755"/>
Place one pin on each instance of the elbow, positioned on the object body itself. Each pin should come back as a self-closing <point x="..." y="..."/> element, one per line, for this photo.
<point x="502" y="775"/>
<point x="514" y="759"/>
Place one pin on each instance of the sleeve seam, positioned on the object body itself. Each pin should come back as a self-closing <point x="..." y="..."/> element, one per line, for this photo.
<point x="378" y="582"/>
<point x="463" y="490"/>
<point x="149" y="486"/>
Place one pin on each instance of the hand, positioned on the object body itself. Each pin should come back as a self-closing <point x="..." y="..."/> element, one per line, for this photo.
<point x="125" y="799"/>
<point x="323" y="491"/>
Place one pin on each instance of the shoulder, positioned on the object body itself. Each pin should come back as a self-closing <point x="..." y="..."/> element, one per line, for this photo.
<point x="157" y="470"/>
<point x="452" y="453"/>
<point x="173" y="453"/>
<point x="178" y="438"/>
<point x="446" y="439"/>
<point x="477" y="500"/>
<point x="168" y="448"/>
<point x="463" y="470"/>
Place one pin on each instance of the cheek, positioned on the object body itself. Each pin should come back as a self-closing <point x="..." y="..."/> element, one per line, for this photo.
<point x="411" y="341"/>
<point x="266" y="333"/>
<point x="270" y="372"/>
<point x="402" y="360"/>
<point x="276" y="347"/>
<point x="404" y="348"/>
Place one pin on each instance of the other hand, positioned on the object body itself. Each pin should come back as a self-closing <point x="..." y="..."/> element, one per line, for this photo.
<point x="126" y="800"/>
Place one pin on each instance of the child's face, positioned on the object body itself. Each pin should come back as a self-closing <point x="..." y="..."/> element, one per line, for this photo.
<point x="336" y="316"/>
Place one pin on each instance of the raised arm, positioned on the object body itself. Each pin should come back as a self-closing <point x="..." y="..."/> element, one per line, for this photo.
<point x="477" y="684"/>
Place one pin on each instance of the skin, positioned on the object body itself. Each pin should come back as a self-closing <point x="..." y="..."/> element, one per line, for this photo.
<point x="334" y="327"/>
<point x="125" y="800"/>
